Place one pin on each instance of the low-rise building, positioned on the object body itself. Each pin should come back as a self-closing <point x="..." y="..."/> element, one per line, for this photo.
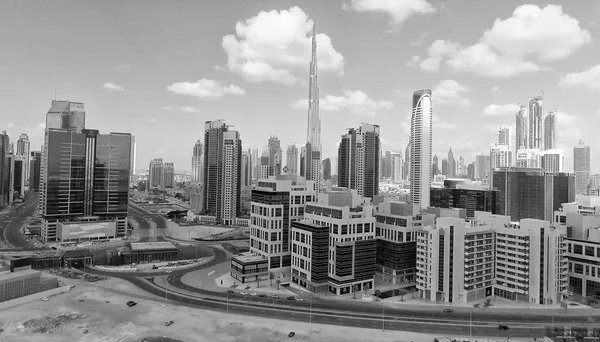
<point x="248" y="268"/>
<point x="310" y="251"/>
<point x="17" y="279"/>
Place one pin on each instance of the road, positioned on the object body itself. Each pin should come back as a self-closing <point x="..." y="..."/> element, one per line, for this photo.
<point x="366" y="315"/>
<point x="11" y="222"/>
<point x="152" y="226"/>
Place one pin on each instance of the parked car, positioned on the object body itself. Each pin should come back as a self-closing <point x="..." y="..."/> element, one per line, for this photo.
<point x="253" y="294"/>
<point x="262" y="295"/>
<point x="131" y="303"/>
<point x="291" y="298"/>
<point x="168" y="323"/>
<point x="448" y="311"/>
<point x="244" y="293"/>
<point x="275" y="296"/>
<point x="71" y="286"/>
<point x="503" y="327"/>
<point x="230" y="292"/>
<point x="44" y="299"/>
<point x="300" y="299"/>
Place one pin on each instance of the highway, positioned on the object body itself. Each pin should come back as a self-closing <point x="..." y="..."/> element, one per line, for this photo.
<point x="152" y="226"/>
<point x="11" y="222"/>
<point x="367" y="315"/>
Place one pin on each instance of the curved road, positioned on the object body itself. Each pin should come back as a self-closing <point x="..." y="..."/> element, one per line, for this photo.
<point x="11" y="222"/>
<point x="484" y="323"/>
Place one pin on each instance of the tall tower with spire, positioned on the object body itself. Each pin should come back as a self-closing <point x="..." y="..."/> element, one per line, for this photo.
<point x="310" y="157"/>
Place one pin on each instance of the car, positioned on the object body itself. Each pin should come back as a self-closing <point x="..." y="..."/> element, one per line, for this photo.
<point x="300" y="299"/>
<point x="44" y="299"/>
<point x="169" y="323"/>
<point x="262" y="295"/>
<point x="275" y="296"/>
<point x="230" y="292"/>
<point x="131" y="303"/>
<point x="71" y="286"/>
<point x="253" y="294"/>
<point x="107" y="301"/>
<point x="448" y="311"/>
<point x="503" y="327"/>
<point x="244" y="293"/>
<point x="291" y="298"/>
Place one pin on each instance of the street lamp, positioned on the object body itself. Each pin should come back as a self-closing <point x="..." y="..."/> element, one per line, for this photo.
<point x="470" y="323"/>
<point x="228" y="302"/>
<point x="383" y="315"/>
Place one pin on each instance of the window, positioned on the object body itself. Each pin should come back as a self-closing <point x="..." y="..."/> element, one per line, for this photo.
<point x="589" y="251"/>
<point x="577" y="249"/>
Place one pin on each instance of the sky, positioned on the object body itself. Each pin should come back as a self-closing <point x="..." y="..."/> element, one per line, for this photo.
<point x="160" y="69"/>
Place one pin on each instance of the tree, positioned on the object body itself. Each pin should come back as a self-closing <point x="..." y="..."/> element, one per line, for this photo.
<point x="271" y="277"/>
<point x="377" y="293"/>
<point x="278" y="282"/>
<point x="141" y="185"/>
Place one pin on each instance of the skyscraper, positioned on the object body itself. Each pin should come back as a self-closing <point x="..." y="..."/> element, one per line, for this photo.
<point x="197" y="162"/>
<point x="84" y="179"/>
<point x="445" y="167"/>
<point x="34" y="170"/>
<point x="451" y="165"/>
<point x="133" y="162"/>
<point x="313" y="133"/>
<point x="222" y="172"/>
<point x="275" y="156"/>
<point x="581" y="166"/>
<point x="500" y="156"/>
<point x="326" y="169"/>
<point x="156" y="174"/>
<point x="169" y="175"/>
<point x="358" y="160"/>
<point x="4" y="169"/>
<point x="24" y="150"/>
<point x="482" y="168"/>
<point x="553" y="161"/>
<point x="291" y="161"/>
<point x="435" y="168"/>
<point x="550" y="131"/>
<point x="504" y="136"/>
<point x="246" y="168"/>
<point x="407" y="162"/>
<point x="421" y="135"/>
<point x="521" y="124"/>
<point x="535" y="123"/>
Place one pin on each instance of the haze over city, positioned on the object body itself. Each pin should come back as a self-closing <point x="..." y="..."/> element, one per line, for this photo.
<point x="162" y="72"/>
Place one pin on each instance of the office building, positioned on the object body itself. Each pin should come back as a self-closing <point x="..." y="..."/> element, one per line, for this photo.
<point x="451" y="165"/>
<point x="169" y="175"/>
<point x="133" y="161"/>
<point x="358" y="160"/>
<point x="310" y="165"/>
<point x="471" y="171"/>
<point x="326" y="169"/>
<point x="465" y="196"/>
<point x="500" y="156"/>
<point x="396" y="230"/>
<point x="529" y="158"/>
<point x="581" y="166"/>
<point x="352" y="245"/>
<point x="222" y="172"/>
<point x="521" y="141"/>
<point x="275" y="156"/>
<point x="24" y="150"/>
<point x="504" y="137"/>
<point x="550" y="130"/>
<point x="156" y="175"/>
<point x="276" y="202"/>
<point x="197" y="162"/>
<point x="255" y="165"/>
<point x="196" y="197"/>
<point x="34" y="170"/>
<point x="246" y="168"/>
<point x="483" y="168"/>
<point x="445" y="168"/>
<point x="407" y="162"/>
<point x="421" y="142"/>
<point x="553" y="161"/>
<point x="455" y="261"/>
<point x="291" y="161"/>
<point x="84" y="178"/>
<point x="18" y="172"/>
<point x="535" y="124"/>
<point x="435" y="167"/>
<point x="532" y="193"/>
<point x="66" y="115"/>
<point x="4" y="169"/>
<point x="397" y="164"/>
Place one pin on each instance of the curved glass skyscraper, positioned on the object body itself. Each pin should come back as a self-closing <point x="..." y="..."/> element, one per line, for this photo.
<point x="421" y="147"/>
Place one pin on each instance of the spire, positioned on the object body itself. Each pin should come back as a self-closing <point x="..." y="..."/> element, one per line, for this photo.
<point x="314" y="42"/>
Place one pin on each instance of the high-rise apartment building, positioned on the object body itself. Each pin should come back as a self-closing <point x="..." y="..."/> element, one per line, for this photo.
<point x="482" y="168"/>
<point x="550" y="130"/>
<point x="24" y="149"/>
<point x="529" y="158"/>
<point x="310" y="165"/>
<point x="222" y="172"/>
<point x="532" y="192"/>
<point x="535" y="124"/>
<point x="397" y="165"/>
<point x="421" y="142"/>
<point x="451" y="165"/>
<point x="169" y="175"/>
<point x="246" y="168"/>
<point x="34" y="170"/>
<point x="500" y="156"/>
<point x="358" y="160"/>
<point x="156" y="174"/>
<point x="581" y="167"/>
<point x="396" y="228"/>
<point x="407" y="162"/>
<point x="352" y="245"/>
<point x="504" y="136"/>
<point x="435" y="167"/>
<point x="84" y="178"/>
<point x="197" y="162"/>
<point x="521" y="141"/>
<point x="553" y="161"/>
<point x="276" y="202"/>
<point x="291" y="161"/>
<point x="275" y="156"/>
<point x="4" y="169"/>
<point x="326" y="169"/>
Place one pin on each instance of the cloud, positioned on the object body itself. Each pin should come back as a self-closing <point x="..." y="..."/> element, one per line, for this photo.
<point x="419" y="41"/>
<point x="450" y="92"/>
<point x="276" y="47"/>
<point x="153" y="120"/>
<point x="496" y="88"/>
<point x="501" y="110"/>
<point x="204" y="88"/>
<point x="398" y="11"/>
<point x="112" y="86"/>
<point x="567" y="128"/>
<point x="181" y="109"/>
<point x="441" y="124"/>
<point x="514" y="45"/>
<point x="589" y="79"/>
<point x="10" y="125"/>
<point x="125" y="67"/>
<point x="355" y="101"/>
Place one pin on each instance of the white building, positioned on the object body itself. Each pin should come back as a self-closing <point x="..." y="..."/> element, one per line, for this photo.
<point x="553" y="161"/>
<point x="276" y="202"/>
<point x="421" y="142"/>
<point x="500" y="156"/>
<point x="530" y="158"/>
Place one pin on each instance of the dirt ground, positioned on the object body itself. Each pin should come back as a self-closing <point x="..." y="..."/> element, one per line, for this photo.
<point x="84" y="315"/>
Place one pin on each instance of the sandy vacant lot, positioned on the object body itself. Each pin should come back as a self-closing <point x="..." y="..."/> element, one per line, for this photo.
<point x="84" y="315"/>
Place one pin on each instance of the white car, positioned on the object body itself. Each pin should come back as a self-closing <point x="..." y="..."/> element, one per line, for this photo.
<point x="44" y="299"/>
<point x="71" y="286"/>
<point x="253" y="294"/>
<point x="244" y="293"/>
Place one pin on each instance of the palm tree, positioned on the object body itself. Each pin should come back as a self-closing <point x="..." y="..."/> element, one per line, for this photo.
<point x="377" y="293"/>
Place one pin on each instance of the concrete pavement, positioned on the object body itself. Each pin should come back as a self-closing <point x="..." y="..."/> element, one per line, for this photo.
<point x="11" y="224"/>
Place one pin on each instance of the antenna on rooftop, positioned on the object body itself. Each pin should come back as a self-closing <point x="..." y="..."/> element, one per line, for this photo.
<point x="54" y="94"/>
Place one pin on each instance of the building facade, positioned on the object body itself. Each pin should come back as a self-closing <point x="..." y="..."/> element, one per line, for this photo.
<point x="581" y="166"/>
<point x="553" y="161"/>
<point x="291" y="161"/>
<point x="521" y="141"/>
<point x="197" y="162"/>
<point x="472" y="200"/>
<point x="535" y="123"/>
<point x="169" y="175"/>
<point x="358" y="160"/>
<point x="550" y="130"/>
<point x="156" y="175"/>
<point x="421" y="145"/>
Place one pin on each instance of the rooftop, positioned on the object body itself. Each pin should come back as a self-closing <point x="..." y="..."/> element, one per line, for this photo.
<point x="12" y="275"/>
<point x="141" y="246"/>
<point x="248" y="257"/>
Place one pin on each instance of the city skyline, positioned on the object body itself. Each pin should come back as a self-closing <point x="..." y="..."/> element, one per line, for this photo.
<point x="133" y="90"/>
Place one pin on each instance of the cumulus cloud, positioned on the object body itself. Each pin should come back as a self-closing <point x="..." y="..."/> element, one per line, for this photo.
<point x="501" y="110"/>
<point x="275" y="46"/>
<point x="355" y="101"/>
<point x="589" y="78"/>
<point x="567" y="127"/>
<point x="205" y="88"/>
<point x="181" y="109"/>
<point x="398" y="11"/>
<point x="451" y="92"/>
<point x="515" y="45"/>
<point x="441" y="124"/>
<point x="112" y="86"/>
